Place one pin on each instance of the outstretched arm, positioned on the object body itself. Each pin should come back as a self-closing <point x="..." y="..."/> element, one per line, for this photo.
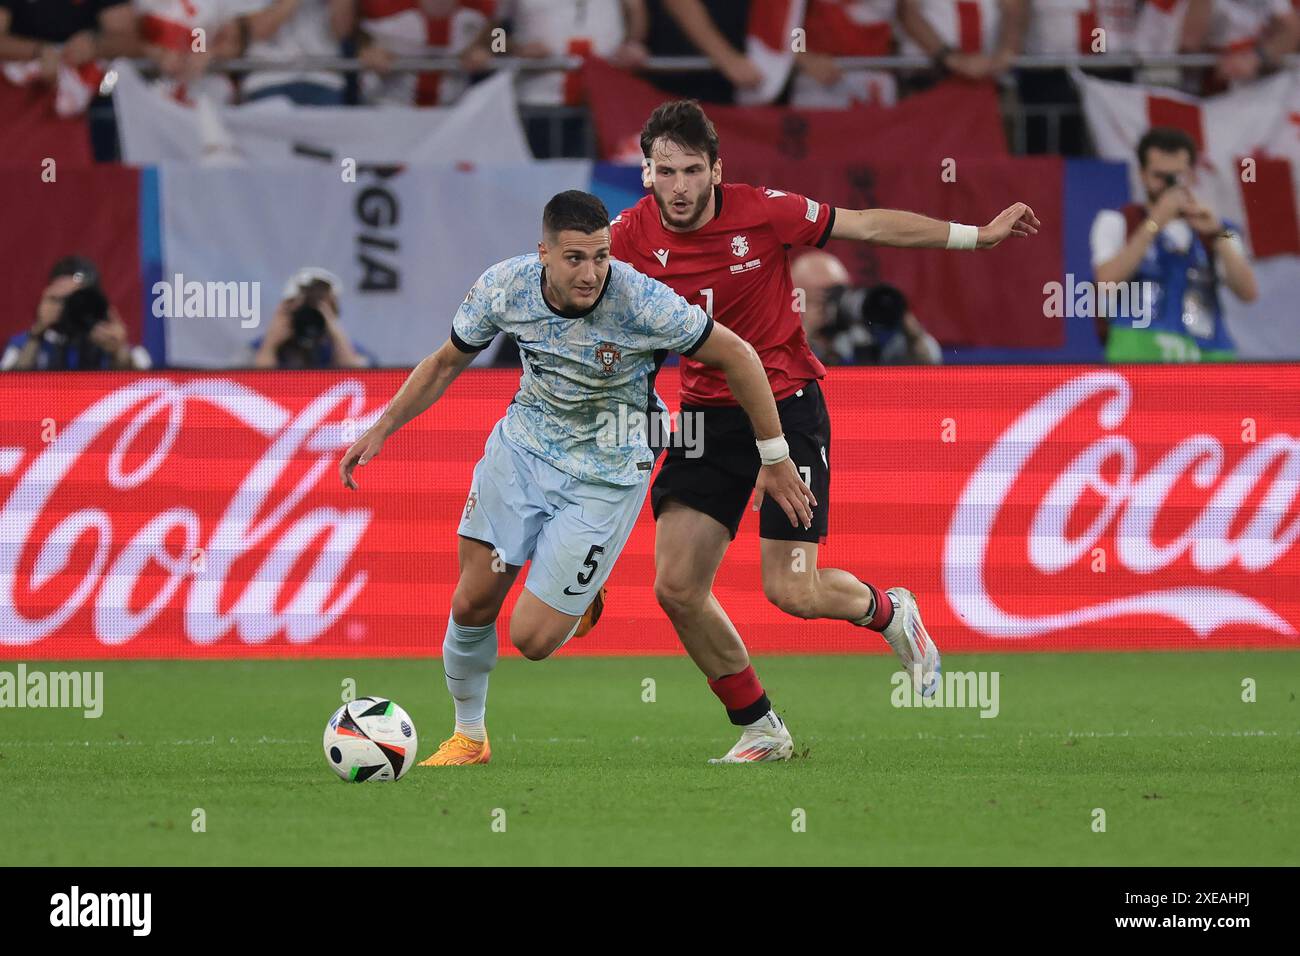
<point x="422" y="388"/>
<point x="778" y="477"/>
<point x="893" y="227"/>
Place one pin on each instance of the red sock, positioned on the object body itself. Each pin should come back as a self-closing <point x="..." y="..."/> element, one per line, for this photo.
<point x="884" y="610"/>
<point x="742" y="695"/>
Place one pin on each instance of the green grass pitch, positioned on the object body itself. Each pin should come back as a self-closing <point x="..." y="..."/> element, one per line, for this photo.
<point x="587" y="772"/>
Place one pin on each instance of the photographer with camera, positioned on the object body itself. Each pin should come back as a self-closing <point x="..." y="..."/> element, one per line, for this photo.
<point x="305" y="331"/>
<point x="846" y="325"/>
<point x="1173" y="252"/>
<point x="76" y="327"/>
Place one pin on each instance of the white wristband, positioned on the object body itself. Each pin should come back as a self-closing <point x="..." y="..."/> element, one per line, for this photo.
<point x="772" y="450"/>
<point x="962" y="237"/>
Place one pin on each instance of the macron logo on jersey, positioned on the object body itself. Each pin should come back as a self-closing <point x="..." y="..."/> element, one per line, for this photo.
<point x="773" y="193"/>
<point x="662" y="256"/>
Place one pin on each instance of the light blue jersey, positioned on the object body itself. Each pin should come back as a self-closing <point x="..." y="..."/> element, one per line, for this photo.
<point x="582" y="372"/>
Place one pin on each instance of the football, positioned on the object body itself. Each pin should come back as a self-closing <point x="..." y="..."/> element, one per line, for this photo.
<point x="370" y="738"/>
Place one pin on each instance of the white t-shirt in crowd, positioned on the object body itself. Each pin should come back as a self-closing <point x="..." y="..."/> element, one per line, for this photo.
<point x="558" y="23"/>
<point x="1236" y="23"/>
<point x="306" y="33"/>
<point x="957" y="20"/>
<point x="171" y="24"/>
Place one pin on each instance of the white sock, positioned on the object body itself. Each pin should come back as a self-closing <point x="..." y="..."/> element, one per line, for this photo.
<point x="468" y="656"/>
<point x="768" y="722"/>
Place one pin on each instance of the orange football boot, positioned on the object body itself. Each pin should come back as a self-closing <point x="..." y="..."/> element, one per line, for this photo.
<point x="457" y="750"/>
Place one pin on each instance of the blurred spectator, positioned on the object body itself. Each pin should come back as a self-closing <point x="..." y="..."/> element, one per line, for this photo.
<point x="66" y="32"/>
<point x="851" y="326"/>
<point x="59" y="42"/>
<point x="280" y="31"/>
<point x="845" y="28"/>
<point x="974" y="39"/>
<point x="1250" y="36"/>
<point x="1091" y="28"/>
<point x="713" y="28"/>
<point x="184" y="37"/>
<point x="306" y="331"/>
<point x="1172" y="252"/>
<point x="390" y="29"/>
<point x="614" y="30"/>
<point x="76" y="327"/>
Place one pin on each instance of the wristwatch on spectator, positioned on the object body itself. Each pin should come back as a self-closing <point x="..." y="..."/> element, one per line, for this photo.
<point x="1225" y="233"/>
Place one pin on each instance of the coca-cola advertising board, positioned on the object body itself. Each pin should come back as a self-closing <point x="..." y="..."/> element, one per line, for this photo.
<point x="1030" y="508"/>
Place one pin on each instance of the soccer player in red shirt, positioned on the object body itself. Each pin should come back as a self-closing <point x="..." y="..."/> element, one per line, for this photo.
<point x="725" y="248"/>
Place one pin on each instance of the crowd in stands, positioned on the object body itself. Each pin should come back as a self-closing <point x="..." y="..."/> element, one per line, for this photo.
<point x="972" y="39"/>
<point x="67" y="44"/>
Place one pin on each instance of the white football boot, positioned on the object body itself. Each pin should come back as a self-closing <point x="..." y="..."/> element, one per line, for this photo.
<point x="908" y="637"/>
<point x="766" y="739"/>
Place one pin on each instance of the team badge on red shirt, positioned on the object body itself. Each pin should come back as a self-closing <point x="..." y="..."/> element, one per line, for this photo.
<point x="739" y="246"/>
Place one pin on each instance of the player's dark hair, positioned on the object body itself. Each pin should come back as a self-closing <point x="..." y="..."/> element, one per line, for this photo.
<point x="684" y="123"/>
<point x="1167" y="139"/>
<point x="574" y="209"/>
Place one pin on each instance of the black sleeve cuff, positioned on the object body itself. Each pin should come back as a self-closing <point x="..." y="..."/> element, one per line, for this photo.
<point x="830" y="224"/>
<point x="467" y="347"/>
<point x="708" y="330"/>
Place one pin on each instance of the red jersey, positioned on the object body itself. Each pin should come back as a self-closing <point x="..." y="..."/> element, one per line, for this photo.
<point x="736" y="267"/>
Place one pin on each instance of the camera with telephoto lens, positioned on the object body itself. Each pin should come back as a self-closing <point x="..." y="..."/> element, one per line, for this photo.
<point x="307" y="320"/>
<point x="82" y="310"/>
<point x="306" y="327"/>
<point x="861" y="320"/>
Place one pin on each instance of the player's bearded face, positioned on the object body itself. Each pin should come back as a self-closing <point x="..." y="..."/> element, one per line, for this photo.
<point x="682" y="184"/>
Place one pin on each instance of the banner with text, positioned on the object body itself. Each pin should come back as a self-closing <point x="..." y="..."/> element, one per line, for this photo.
<point x="407" y="244"/>
<point x="1056" y="508"/>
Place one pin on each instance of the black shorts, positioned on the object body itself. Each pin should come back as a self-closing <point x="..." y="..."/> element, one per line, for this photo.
<point x="717" y="476"/>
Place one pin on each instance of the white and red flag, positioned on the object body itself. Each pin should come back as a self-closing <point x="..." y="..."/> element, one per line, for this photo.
<point x="769" y="46"/>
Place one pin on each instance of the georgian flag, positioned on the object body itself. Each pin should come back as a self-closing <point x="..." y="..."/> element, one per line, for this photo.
<point x="769" y="46"/>
<point x="1248" y="172"/>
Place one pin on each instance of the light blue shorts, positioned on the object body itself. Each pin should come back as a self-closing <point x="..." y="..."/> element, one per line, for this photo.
<point x="528" y="510"/>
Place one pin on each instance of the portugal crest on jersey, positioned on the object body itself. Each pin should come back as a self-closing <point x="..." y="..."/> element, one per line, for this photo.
<point x="608" y="355"/>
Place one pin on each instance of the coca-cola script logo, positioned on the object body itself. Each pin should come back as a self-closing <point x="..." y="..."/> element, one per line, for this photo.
<point x="254" y="520"/>
<point x="1131" y="507"/>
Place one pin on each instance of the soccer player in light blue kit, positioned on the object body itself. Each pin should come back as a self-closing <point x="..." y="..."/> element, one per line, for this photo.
<point x="564" y="473"/>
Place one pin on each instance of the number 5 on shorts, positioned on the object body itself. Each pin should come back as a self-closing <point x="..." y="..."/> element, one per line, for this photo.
<point x="590" y="564"/>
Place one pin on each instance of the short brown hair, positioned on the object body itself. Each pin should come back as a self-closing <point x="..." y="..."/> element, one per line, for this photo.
<point x="1167" y="139"/>
<point x="576" y="210"/>
<point x="684" y="123"/>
